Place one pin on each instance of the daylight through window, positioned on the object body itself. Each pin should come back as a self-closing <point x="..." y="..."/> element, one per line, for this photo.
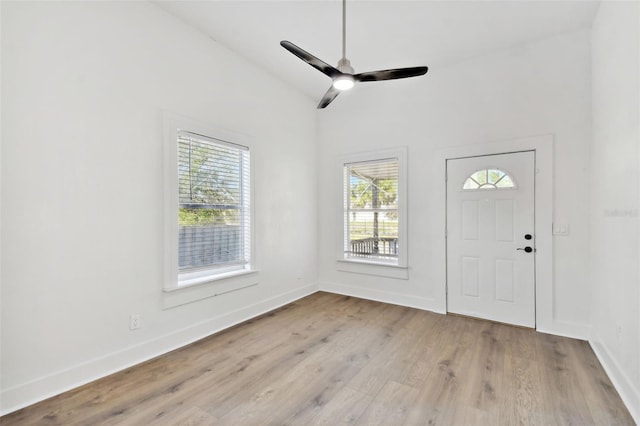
<point x="371" y="210"/>
<point x="213" y="214"/>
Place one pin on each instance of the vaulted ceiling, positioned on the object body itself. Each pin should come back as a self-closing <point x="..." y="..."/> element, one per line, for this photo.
<point x="380" y="34"/>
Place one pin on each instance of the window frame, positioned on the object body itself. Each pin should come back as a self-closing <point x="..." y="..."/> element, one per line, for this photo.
<point x="174" y="280"/>
<point x="372" y="266"/>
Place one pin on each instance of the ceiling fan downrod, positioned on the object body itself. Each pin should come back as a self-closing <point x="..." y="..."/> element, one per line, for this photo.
<point x="345" y="81"/>
<point x="344" y="29"/>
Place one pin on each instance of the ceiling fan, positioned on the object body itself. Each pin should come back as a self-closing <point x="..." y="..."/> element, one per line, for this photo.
<point x="343" y="75"/>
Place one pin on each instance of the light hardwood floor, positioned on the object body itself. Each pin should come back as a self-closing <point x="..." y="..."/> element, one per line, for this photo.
<point x="329" y="359"/>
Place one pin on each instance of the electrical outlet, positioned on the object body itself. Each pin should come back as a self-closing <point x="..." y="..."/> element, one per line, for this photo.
<point x="135" y="321"/>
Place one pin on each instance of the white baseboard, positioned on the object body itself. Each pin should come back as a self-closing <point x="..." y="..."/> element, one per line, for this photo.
<point x="567" y="329"/>
<point x="628" y="390"/>
<point x="21" y="396"/>
<point x="558" y="328"/>
<point x="382" y="296"/>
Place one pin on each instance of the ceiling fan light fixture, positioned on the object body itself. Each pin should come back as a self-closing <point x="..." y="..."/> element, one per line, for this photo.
<point x="344" y="82"/>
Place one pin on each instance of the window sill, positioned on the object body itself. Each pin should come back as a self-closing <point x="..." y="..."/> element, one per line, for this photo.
<point x="378" y="269"/>
<point x="209" y="279"/>
<point x="210" y="286"/>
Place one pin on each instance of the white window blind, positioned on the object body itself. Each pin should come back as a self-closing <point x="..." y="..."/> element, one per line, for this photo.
<point x="371" y="210"/>
<point x="214" y="206"/>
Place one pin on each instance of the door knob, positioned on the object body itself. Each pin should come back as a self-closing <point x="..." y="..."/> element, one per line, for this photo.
<point x="527" y="236"/>
<point x="526" y="249"/>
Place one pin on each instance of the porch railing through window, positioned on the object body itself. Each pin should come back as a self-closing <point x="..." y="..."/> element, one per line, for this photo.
<point x="367" y="247"/>
<point x="209" y="246"/>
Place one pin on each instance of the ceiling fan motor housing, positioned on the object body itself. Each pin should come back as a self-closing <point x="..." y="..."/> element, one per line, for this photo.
<point x="344" y="66"/>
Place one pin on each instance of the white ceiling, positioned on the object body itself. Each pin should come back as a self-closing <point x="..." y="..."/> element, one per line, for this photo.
<point x="380" y="34"/>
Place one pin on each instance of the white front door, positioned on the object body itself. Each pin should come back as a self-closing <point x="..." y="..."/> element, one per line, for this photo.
<point x="491" y="237"/>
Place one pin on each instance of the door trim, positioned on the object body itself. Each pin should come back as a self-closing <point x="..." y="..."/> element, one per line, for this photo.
<point x="543" y="147"/>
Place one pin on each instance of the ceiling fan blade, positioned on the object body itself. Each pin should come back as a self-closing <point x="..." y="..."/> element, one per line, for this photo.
<point x="318" y="64"/>
<point x="391" y="74"/>
<point x="328" y="97"/>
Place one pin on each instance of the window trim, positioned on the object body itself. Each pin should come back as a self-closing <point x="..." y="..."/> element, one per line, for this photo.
<point x="373" y="266"/>
<point x="173" y="124"/>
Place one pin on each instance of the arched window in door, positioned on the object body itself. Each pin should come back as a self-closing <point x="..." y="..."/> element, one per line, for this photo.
<point x="489" y="179"/>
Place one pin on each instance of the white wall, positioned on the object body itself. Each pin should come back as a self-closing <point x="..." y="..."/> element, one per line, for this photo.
<point x="615" y="202"/>
<point x="83" y="89"/>
<point x="534" y="89"/>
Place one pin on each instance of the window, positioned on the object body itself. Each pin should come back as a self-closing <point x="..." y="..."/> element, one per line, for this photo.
<point x="371" y="210"/>
<point x="489" y="179"/>
<point x="209" y="219"/>
<point x="213" y="214"/>
<point x="374" y="214"/>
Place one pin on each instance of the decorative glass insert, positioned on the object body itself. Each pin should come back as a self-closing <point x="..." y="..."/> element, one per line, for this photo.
<point x="489" y="179"/>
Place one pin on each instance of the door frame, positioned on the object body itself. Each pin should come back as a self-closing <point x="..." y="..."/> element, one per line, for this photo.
<point x="543" y="148"/>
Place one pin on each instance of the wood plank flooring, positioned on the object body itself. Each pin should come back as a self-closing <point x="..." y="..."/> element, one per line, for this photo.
<point x="331" y="360"/>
